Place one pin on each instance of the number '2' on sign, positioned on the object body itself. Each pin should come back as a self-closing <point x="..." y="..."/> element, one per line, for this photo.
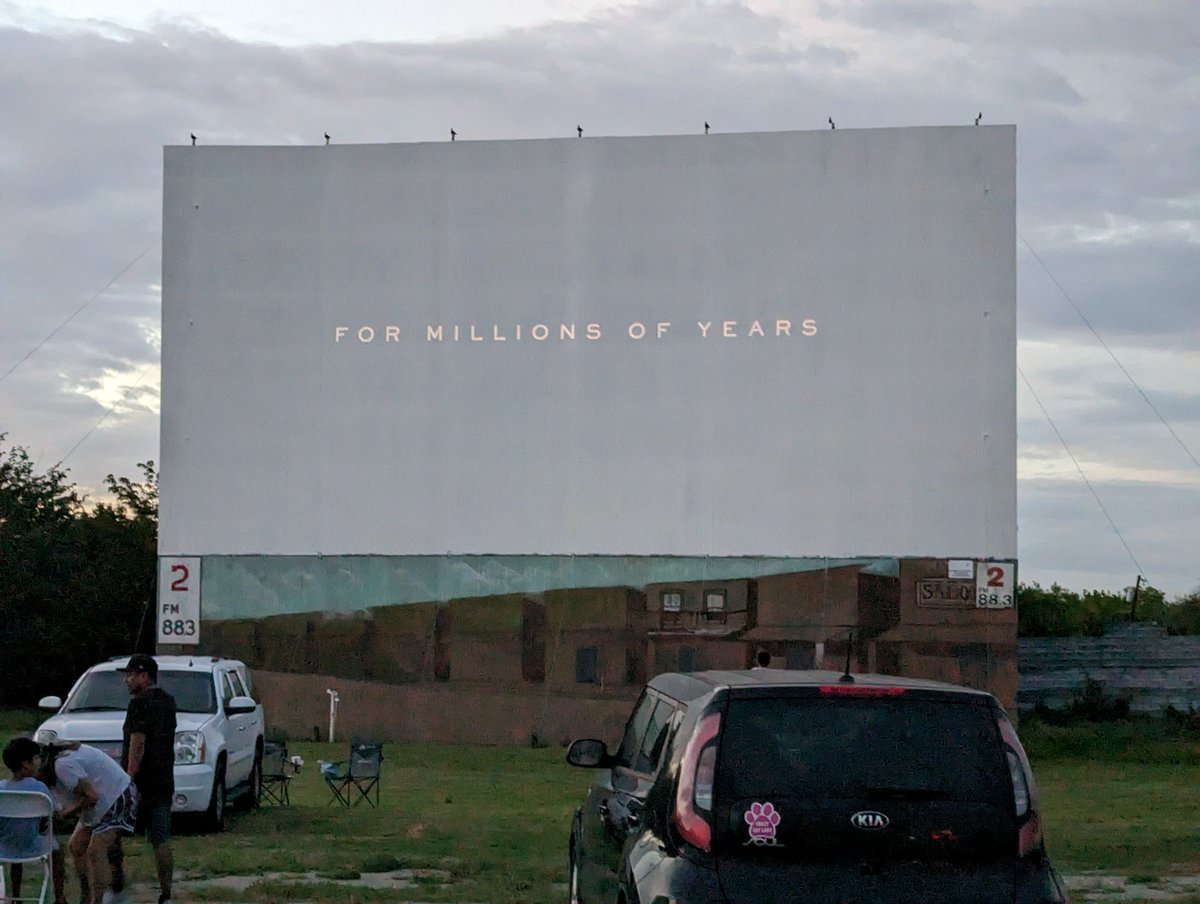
<point x="994" y="585"/>
<point x="178" y="615"/>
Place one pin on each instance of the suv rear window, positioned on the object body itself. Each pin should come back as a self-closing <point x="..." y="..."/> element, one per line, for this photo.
<point x="862" y="747"/>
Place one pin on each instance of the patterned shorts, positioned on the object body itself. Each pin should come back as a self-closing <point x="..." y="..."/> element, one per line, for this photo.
<point x="121" y="816"/>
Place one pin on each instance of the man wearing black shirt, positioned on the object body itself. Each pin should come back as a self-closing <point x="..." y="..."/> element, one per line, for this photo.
<point x="149" y="757"/>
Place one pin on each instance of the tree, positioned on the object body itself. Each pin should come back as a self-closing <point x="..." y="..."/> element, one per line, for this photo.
<point x="1058" y="612"/>
<point x="1055" y="612"/>
<point x="1183" y="615"/>
<point x="75" y="582"/>
<point x="135" y="501"/>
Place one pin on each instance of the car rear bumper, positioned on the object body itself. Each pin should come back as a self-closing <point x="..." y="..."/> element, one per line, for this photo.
<point x="681" y="881"/>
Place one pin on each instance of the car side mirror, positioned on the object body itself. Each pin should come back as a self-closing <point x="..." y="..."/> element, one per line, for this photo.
<point x="588" y="753"/>
<point x="50" y="703"/>
<point x="239" y="705"/>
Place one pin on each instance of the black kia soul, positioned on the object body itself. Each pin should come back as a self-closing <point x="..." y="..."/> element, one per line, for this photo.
<point x="765" y="787"/>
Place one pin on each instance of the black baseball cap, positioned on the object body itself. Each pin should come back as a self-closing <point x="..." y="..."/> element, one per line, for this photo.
<point x="140" y="662"/>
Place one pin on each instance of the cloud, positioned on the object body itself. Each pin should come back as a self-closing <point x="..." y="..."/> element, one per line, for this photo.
<point x="1131" y="294"/>
<point x="1101" y="95"/>
<point x="1164" y="36"/>
<point x="1061" y="539"/>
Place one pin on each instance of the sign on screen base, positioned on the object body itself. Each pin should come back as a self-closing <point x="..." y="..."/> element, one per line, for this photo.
<point x="960" y="569"/>
<point x="179" y="601"/>
<point x="995" y="585"/>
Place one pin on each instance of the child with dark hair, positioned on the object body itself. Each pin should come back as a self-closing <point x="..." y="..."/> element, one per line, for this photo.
<point x="23" y="757"/>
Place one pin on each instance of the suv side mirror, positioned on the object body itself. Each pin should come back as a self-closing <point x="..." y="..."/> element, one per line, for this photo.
<point x="589" y="753"/>
<point x="239" y="705"/>
<point x="50" y="703"/>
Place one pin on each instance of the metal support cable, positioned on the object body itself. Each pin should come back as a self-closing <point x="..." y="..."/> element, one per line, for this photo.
<point x="79" y="310"/>
<point x="112" y="408"/>
<point x="1111" y="354"/>
<point x="1079" y="468"/>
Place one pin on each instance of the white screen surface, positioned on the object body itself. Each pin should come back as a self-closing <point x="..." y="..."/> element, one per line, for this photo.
<point x="836" y="377"/>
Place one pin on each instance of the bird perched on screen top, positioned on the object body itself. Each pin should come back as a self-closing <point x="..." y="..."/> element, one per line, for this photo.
<point x="453" y="134"/>
<point x="193" y="139"/>
<point x="579" y="131"/>
<point x="831" y="123"/>
<point x="327" y="138"/>
<point x="977" y="118"/>
<point x="706" y="127"/>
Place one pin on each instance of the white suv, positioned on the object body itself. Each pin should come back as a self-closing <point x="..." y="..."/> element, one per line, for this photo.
<point x="219" y="727"/>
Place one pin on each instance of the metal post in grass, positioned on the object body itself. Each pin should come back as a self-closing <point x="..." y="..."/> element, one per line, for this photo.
<point x="333" y="705"/>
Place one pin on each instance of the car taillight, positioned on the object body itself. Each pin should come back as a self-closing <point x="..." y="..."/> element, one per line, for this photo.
<point x="1025" y="801"/>
<point x="706" y="770"/>
<point x="694" y="795"/>
<point x="1029" y="838"/>
<point x="1019" y="785"/>
<point x="1029" y="835"/>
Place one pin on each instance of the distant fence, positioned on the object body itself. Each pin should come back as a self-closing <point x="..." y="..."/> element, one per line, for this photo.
<point x="1137" y="662"/>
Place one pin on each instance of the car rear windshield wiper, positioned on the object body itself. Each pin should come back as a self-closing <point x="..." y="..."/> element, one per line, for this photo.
<point x="893" y="792"/>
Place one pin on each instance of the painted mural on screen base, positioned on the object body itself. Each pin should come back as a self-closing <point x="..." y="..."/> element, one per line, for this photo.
<point x="539" y="649"/>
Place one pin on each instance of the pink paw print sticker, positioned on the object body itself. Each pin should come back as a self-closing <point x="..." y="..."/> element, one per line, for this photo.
<point x="762" y="819"/>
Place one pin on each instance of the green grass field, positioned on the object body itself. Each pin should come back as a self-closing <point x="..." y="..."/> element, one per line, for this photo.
<point x="490" y="824"/>
<point x="1122" y="798"/>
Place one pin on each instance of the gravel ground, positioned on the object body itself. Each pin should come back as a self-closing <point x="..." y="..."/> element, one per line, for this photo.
<point x="1086" y="888"/>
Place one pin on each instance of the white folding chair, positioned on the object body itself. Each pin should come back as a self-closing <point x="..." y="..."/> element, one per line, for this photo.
<point x="36" y="806"/>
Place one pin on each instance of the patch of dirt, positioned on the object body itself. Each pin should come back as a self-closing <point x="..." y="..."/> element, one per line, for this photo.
<point x="1085" y="888"/>
<point x="1106" y="888"/>
<point x="395" y="879"/>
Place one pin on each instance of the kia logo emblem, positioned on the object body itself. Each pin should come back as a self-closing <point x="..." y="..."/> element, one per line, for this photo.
<point x="869" y="820"/>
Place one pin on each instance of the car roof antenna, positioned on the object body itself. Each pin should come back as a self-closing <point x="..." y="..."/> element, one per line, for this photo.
<point x="847" y="678"/>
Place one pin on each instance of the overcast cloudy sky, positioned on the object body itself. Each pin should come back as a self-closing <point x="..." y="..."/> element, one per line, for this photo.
<point x="1104" y="94"/>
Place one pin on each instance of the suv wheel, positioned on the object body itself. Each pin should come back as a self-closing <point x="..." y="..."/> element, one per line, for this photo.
<point x="215" y="818"/>
<point x="254" y="783"/>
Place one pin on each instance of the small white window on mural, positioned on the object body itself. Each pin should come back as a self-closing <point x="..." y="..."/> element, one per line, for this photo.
<point x="714" y="601"/>
<point x="672" y="601"/>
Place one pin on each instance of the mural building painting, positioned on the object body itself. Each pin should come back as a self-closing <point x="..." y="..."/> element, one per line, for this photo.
<point x="502" y="429"/>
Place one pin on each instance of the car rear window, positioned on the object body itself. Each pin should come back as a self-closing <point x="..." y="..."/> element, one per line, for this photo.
<point x="856" y="747"/>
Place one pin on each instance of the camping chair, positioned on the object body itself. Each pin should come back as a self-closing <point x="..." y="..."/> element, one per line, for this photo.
<point x="358" y="774"/>
<point x="277" y="773"/>
<point x="38" y="807"/>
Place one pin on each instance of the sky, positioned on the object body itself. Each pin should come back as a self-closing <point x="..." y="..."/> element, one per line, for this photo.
<point x="1104" y="96"/>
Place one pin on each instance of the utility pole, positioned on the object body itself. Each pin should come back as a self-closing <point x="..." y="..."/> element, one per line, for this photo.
<point x="1136" y="587"/>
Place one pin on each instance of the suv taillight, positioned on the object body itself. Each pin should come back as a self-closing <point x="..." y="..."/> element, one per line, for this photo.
<point x="694" y="795"/>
